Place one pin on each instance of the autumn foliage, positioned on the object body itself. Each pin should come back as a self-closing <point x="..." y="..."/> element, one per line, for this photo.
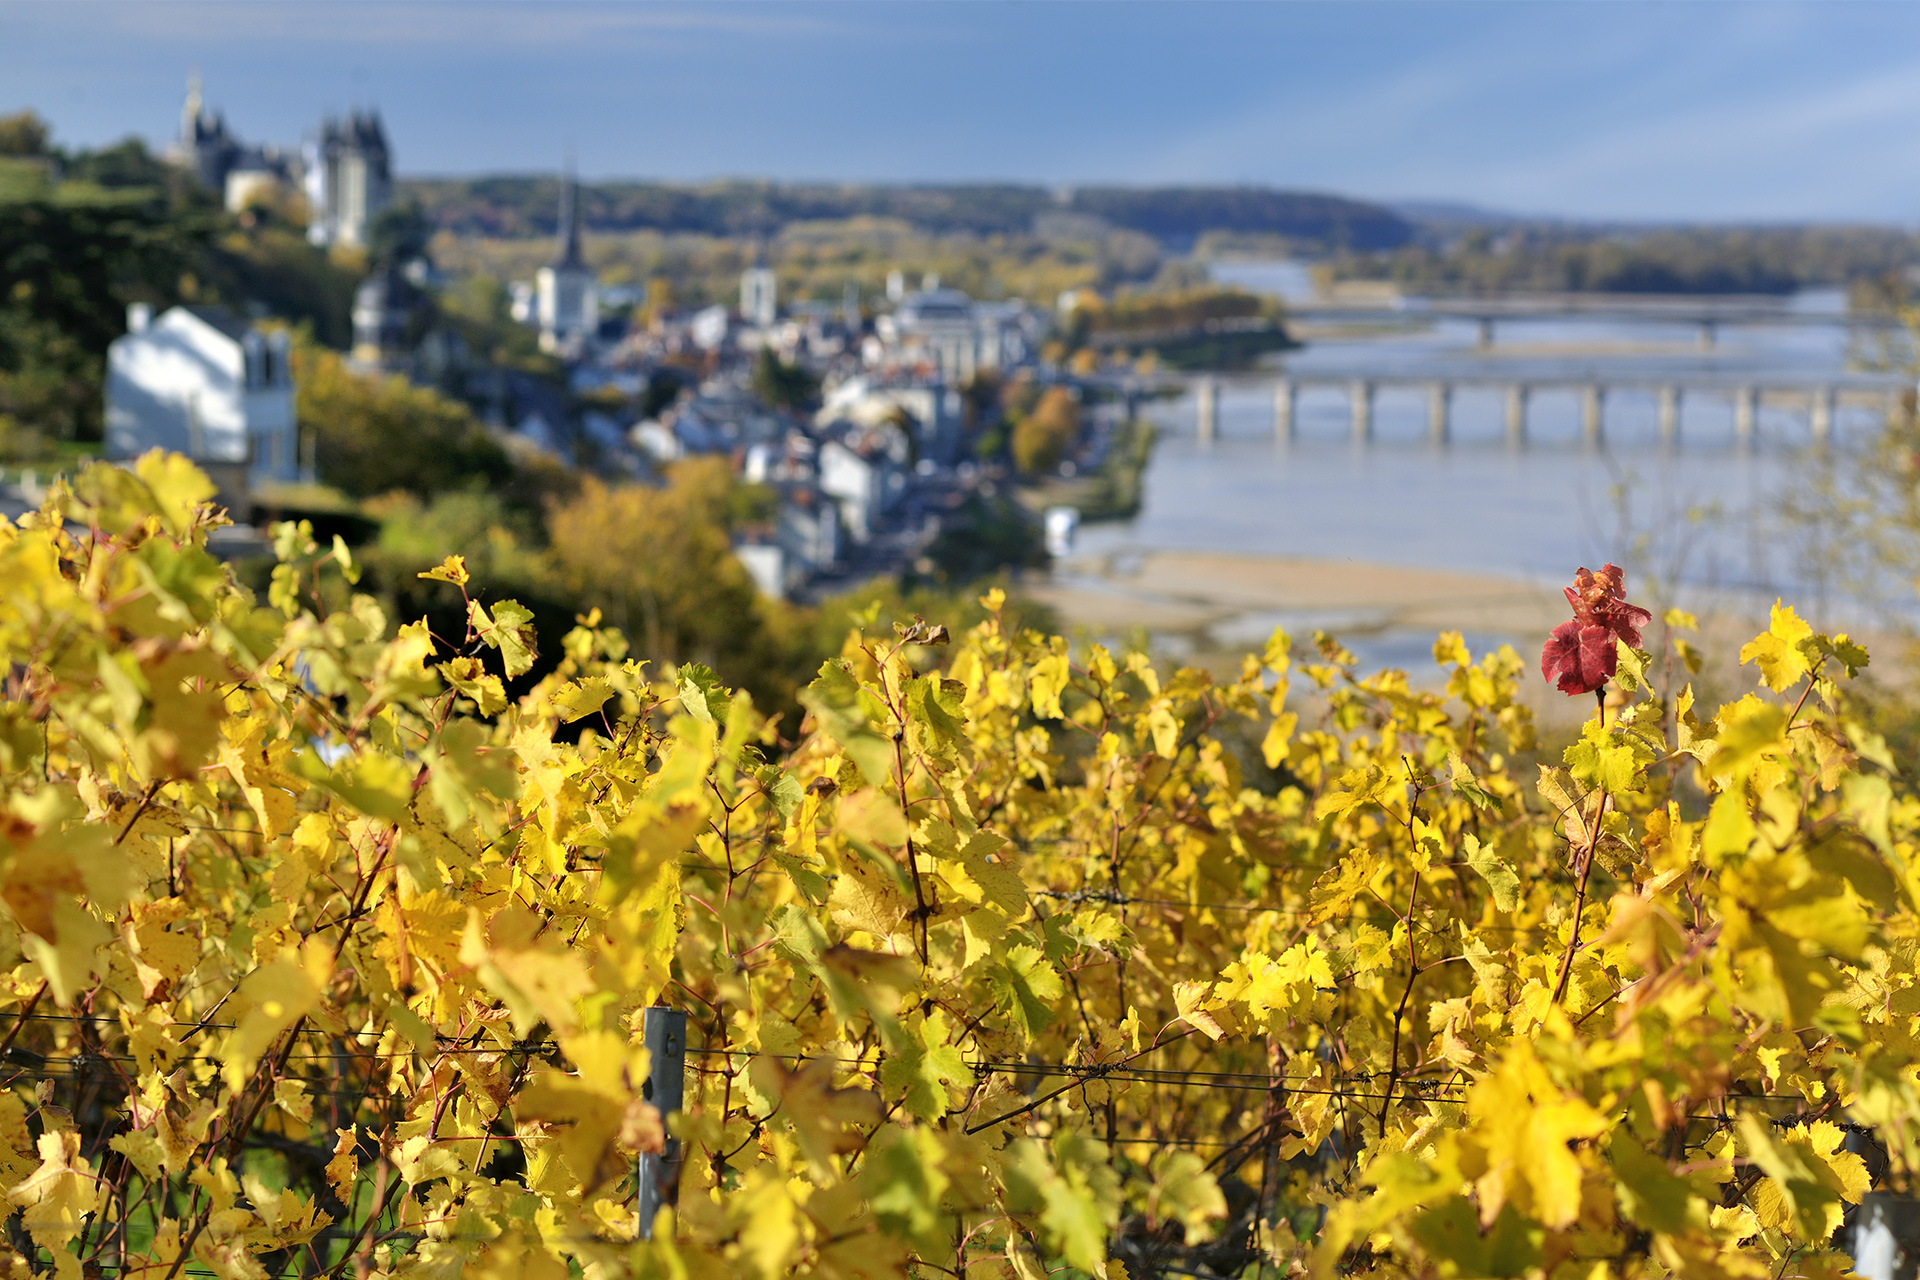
<point x="321" y="953"/>
<point x="1582" y="655"/>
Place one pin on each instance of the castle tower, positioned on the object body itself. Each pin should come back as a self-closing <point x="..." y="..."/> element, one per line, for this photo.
<point x="349" y="178"/>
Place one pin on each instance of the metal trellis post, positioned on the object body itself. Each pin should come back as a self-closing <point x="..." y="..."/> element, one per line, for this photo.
<point x="665" y="1033"/>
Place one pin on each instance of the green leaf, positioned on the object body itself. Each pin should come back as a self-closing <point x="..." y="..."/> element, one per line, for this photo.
<point x="1651" y="1193"/>
<point x="582" y="698"/>
<point x="1607" y="759"/>
<point x="509" y="628"/>
<point x="904" y="1182"/>
<point x="1468" y="787"/>
<point x="1630" y="672"/>
<point x="377" y="784"/>
<point x="343" y="556"/>
<point x="1499" y="875"/>
<point x="781" y="788"/>
<point x="935" y="706"/>
<point x="834" y="698"/>
<point x="926" y="1068"/>
<point x="1778" y="651"/>
<point x="701" y="695"/>
<point x="1026" y="986"/>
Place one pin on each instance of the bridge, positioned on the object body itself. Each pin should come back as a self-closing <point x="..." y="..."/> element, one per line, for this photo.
<point x="1820" y="398"/>
<point x="1706" y="315"/>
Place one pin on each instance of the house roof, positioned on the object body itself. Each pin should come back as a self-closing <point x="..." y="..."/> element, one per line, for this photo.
<point x="221" y="319"/>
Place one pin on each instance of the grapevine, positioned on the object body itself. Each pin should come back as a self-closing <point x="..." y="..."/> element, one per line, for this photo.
<point x="327" y="941"/>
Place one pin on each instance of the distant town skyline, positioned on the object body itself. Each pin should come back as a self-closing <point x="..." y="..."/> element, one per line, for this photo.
<point x="1622" y="110"/>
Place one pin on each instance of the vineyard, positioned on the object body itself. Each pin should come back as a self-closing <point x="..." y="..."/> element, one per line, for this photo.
<point x="329" y="939"/>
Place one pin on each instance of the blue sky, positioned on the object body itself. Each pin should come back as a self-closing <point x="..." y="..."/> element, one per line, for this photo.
<point x="1616" y="110"/>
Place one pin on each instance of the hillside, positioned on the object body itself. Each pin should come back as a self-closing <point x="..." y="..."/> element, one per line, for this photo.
<point x="509" y="206"/>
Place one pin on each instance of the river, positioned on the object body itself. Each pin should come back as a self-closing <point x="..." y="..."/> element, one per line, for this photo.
<point x="1701" y="515"/>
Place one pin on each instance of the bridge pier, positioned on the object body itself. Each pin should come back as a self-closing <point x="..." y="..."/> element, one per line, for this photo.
<point x="1669" y="416"/>
<point x="1820" y="417"/>
<point x="1517" y="394"/>
<point x="1746" y="408"/>
<point x="1484" y="332"/>
<point x="1207" y="410"/>
<point x="1440" y="412"/>
<point x="1283" y="411"/>
<point x="1361" y="404"/>
<point x="1593" y="409"/>
<point x="1707" y="335"/>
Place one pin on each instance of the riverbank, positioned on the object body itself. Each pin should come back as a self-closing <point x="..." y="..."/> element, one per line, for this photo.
<point x="1210" y="608"/>
<point x="1194" y="591"/>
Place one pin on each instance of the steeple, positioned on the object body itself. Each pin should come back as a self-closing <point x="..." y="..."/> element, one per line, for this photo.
<point x="569" y="219"/>
<point x="190" y="113"/>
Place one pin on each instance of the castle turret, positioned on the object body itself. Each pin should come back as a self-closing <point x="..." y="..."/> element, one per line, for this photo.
<point x="206" y="149"/>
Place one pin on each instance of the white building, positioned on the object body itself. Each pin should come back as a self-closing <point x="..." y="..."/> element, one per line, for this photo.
<point x="349" y="179"/>
<point x="203" y="382"/>
<point x="861" y="472"/>
<point x="948" y="331"/>
<point x="567" y="298"/>
<point x="759" y="296"/>
<point x="934" y="409"/>
<point x="804" y="542"/>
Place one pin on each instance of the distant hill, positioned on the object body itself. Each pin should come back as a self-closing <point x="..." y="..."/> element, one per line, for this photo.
<point x="516" y="206"/>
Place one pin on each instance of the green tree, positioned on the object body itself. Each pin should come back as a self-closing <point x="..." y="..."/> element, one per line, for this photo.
<point x="23" y="134"/>
<point x="1042" y="438"/>
<point x="398" y="234"/>
<point x="70" y="265"/>
<point x="381" y="434"/>
<point x="659" y="562"/>
<point x="786" y="385"/>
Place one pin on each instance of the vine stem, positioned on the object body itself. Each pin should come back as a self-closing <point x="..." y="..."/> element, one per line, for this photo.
<point x="1400" y="1014"/>
<point x="1586" y="871"/>
<point x="897" y="704"/>
<point x="1413" y="960"/>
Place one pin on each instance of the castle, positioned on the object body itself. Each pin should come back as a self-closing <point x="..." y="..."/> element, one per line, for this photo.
<point x="346" y="172"/>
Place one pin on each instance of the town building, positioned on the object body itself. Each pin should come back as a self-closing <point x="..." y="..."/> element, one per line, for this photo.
<point x="802" y="543"/>
<point x="945" y="330"/>
<point x="759" y="296"/>
<point x="204" y="382"/>
<point x="567" y="299"/>
<point x="929" y="410"/>
<point x="865" y="471"/>
<point x="349" y="179"/>
<point x="390" y="315"/>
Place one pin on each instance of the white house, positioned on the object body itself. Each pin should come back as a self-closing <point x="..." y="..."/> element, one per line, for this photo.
<point x="860" y="472"/>
<point x="870" y="402"/>
<point x="203" y="382"/>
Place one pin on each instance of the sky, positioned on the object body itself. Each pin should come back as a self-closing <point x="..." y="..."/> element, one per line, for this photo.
<point x="1718" y="111"/>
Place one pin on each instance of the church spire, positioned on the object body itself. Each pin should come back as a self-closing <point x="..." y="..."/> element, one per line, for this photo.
<point x="570" y="219"/>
